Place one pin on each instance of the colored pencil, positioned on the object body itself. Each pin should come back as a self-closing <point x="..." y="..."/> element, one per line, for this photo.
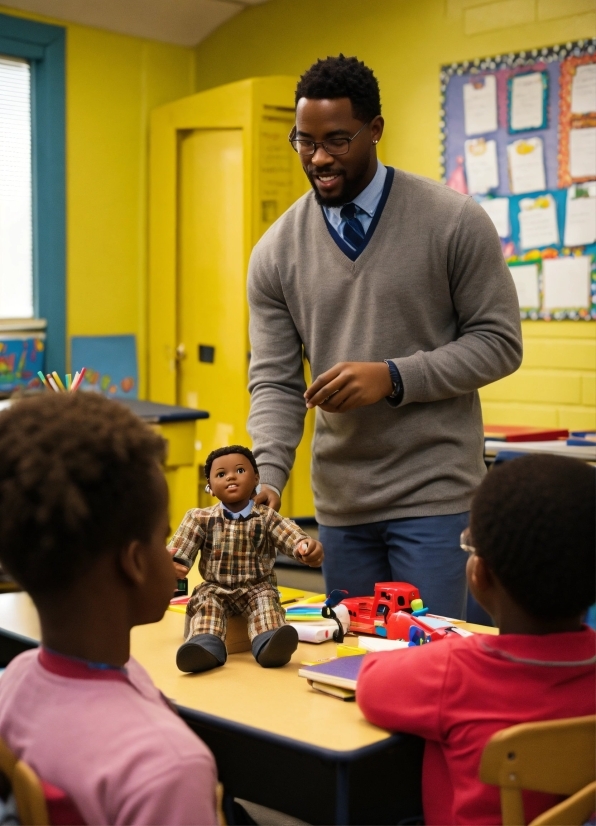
<point x="58" y="381"/>
<point x="43" y="380"/>
<point x="53" y="384"/>
<point x="78" y="379"/>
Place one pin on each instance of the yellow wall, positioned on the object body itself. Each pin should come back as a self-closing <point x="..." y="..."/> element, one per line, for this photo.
<point x="112" y="83"/>
<point x="405" y="42"/>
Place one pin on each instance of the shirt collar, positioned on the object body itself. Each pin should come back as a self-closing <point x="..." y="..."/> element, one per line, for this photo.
<point x="572" y="648"/>
<point x="368" y="199"/>
<point x="79" y="669"/>
<point x="243" y="513"/>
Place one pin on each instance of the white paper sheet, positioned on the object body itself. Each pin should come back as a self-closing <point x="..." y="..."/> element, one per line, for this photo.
<point x="583" y="90"/>
<point x="582" y="152"/>
<point x="526" y="166"/>
<point x="482" y="171"/>
<point x="480" y="106"/>
<point x="527" y="102"/>
<point x="525" y="278"/>
<point x="580" y="215"/>
<point x="498" y="211"/>
<point x="566" y="282"/>
<point x="538" y="222"/>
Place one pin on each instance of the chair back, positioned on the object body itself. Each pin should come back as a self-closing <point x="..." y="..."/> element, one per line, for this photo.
<point x="556" y="757"/>
<point x="26" y="788"/>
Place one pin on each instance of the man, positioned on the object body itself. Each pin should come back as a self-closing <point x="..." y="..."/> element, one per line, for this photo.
<point x="395" y="289"/>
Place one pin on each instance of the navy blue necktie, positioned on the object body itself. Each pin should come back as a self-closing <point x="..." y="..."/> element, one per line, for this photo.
<point x="353" y="231"/>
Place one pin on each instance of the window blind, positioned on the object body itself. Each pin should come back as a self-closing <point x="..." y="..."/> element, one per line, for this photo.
<point x="16" y="238"/>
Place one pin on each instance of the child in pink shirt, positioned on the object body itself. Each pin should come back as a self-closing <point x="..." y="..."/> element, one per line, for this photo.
<point x="532" y="567"/>
<point x="83" y="527"/>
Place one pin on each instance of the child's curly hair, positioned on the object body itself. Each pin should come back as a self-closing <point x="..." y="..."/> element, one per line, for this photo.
<point x="77" y="480"/>
<point x="533" y="521"/>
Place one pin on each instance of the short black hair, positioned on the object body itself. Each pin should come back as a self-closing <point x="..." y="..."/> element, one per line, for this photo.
<point x="77" y="480"/>
<point x="225" y="451"/>
<point x="342" y="77"/>
<point x="533" y="521"/>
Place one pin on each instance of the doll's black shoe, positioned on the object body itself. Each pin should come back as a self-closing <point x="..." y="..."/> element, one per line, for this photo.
<point x="201" y="653"/>
<point x="272" y="649"/>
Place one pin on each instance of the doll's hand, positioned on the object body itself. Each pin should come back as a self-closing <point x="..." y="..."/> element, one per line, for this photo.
<point x="268" y="497"/>
<point x="181" y="570"/>
<point x="310" y="552"/>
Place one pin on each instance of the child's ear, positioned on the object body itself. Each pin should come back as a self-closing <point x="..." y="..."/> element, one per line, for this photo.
<point x="480" y="575"/>
<point x="132" y="558"/>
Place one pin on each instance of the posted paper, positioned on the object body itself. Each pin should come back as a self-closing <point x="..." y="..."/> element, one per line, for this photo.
<point x="582" y="152"/>
<point x="525" y="278"/>
<point x="526" y="166"/>
<point x="566" y="282"/>
<point x="480" y="105"/>
<point x="583" y="90"/>
<point x="580" y="215"/>
<point x="538" y="222"/>
<point x="482" y="171"/>
<point x="527" y="102"/>
<point x="498" y="211"/>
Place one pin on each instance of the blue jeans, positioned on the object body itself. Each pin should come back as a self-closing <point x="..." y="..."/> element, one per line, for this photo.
<point x="421" y="550"/>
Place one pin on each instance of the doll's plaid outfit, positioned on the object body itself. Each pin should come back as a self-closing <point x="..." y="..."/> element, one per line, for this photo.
<point x="236" y="563"/>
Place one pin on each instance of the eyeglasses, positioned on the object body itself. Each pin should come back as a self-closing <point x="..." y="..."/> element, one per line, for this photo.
<point x="465" y="541"/>
<point x="332" y="146"/>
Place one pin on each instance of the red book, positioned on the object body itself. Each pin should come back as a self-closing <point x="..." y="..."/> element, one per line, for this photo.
<point x="519" y="433"/>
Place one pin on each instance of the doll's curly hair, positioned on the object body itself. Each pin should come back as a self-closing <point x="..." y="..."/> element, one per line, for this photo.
<point x="226" y="451"/>
<point x="533" y="522"/>
<point x="78" y="478"/>
<point x="342" y="77"/>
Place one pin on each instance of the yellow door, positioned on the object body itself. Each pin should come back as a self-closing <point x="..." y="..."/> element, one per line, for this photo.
<point x="211" y="317"/>
<point x="222" y="171"/>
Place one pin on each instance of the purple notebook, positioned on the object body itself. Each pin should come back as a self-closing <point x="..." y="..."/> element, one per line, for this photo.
<point x="342" y="672"/>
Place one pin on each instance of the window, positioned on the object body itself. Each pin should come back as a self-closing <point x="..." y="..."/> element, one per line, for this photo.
<point x="32" y="180"/>
<point x="16" y="243"/>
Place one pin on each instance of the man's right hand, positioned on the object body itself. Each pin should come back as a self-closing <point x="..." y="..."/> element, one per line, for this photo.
<point x="268" y="497"/>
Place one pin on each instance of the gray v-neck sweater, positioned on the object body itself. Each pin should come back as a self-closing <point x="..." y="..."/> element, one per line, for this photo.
<point x="430" y="291"/>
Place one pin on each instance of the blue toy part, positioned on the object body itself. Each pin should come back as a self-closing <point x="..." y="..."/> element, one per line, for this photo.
<point x="335" y="597"/>
<point x="381" y="630"/>
<point x="417" y="637"/>
<point x="420" y="612"/>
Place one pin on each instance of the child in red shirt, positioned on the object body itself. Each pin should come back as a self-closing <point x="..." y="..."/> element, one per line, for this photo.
<point x="532" y="567"/>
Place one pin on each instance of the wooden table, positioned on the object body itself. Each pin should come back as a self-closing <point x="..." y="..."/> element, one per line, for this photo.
<point x="276" y="741"/>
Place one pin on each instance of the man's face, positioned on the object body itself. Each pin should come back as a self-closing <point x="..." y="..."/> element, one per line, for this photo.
<point x="233" y="480"/>
<point x="337" y="179"/>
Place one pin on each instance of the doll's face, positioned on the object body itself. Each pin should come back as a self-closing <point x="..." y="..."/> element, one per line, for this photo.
<point x="233" y="480"/>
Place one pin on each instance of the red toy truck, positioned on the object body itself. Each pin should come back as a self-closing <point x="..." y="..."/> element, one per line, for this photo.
<point x="390" y="597"/>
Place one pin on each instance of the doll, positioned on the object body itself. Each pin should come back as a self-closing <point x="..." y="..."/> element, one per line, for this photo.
<point x="237" y="541"/>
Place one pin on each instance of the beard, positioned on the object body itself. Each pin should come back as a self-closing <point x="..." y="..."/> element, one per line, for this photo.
<point x="330" y="201"/>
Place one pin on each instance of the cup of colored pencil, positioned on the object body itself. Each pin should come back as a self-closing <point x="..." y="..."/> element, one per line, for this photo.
<point x="52" y="381"/>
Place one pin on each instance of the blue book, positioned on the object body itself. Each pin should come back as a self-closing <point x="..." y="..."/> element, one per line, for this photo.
<point x="342" y="672"/>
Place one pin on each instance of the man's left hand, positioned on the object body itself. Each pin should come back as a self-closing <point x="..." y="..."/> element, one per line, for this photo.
<point x="348" y="385"/>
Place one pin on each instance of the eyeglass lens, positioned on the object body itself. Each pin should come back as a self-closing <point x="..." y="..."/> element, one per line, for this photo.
<point x="338" y="146"/>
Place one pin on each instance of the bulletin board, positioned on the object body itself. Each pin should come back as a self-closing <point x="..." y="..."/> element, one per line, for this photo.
<point x="518" y="133"/>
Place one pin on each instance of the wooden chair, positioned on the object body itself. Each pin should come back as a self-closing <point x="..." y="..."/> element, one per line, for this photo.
<point x="26" y="788"/>
<point x="556" y="757"/>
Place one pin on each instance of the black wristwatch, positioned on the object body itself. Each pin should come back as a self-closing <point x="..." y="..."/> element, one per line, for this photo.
<point x="398" y="389"/>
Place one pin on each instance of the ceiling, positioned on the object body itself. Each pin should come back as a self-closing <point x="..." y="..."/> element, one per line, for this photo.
<point x="181" y="22"/>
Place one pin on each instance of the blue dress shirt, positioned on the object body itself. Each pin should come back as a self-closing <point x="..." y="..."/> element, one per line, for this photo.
<point x="245" y="513"/>
<point x="367" y="203"/>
